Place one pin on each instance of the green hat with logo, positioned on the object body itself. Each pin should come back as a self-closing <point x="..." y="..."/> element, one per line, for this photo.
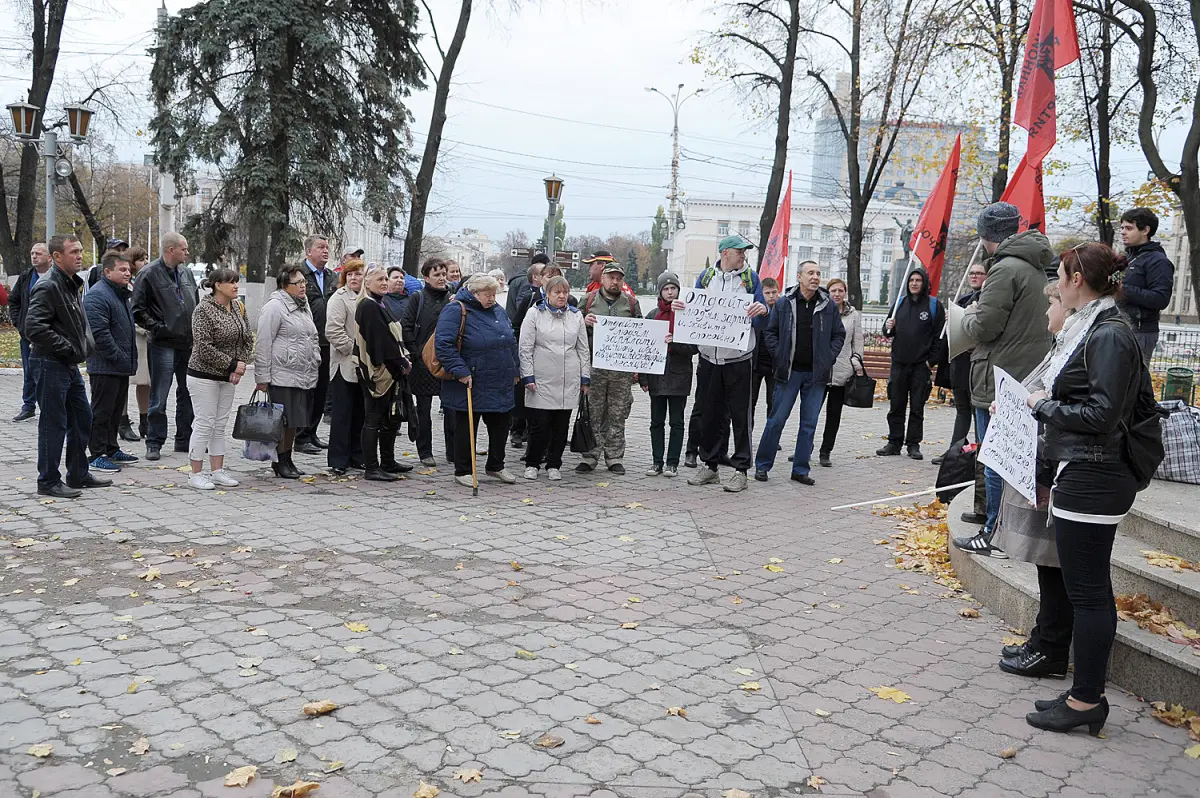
<point x="733" y="242"/>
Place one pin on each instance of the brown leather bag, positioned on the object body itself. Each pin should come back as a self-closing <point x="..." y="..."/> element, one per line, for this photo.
<point x="429" y="351"/>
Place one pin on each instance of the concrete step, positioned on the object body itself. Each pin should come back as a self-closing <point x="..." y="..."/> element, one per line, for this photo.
<point x="1146" y="664"/>
<point x="1131" y="573"/>
<point x="1167" y="517"/>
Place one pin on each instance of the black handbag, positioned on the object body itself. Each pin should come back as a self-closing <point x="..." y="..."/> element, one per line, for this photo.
<point x="259" y="421"/>
<point x="1143" y="439"/>
<point x="583" y="440"/>
<point x="860" y="391"/>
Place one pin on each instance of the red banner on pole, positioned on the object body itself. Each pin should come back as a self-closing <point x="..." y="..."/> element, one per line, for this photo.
<point x="1025" y="191"/>
<point x="774" y="255"/>
<point x="928" y="243"/>
<point x="1052" y="43"/>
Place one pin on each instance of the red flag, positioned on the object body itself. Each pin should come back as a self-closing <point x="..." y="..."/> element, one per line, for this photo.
<point x="1025" y="191"/>
<point x="774" y="255"/>
<point x="1052" y="43"/>
<point x="928" y="243"/>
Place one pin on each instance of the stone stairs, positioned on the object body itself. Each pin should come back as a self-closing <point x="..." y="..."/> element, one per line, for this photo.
<point x="1166" y="518"/>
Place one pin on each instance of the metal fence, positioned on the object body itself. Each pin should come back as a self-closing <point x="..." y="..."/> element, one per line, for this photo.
<point x="1177" y="347"/>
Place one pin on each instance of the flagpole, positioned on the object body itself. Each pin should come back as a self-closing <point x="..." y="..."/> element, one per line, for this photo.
<point x="961" y="283"/>
<point x="903" y="288"/>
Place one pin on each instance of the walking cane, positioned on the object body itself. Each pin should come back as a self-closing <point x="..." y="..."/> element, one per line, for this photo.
<point x="471" y="430"/>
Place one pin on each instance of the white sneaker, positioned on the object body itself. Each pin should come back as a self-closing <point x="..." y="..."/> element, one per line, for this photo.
<point x="531" y="473"/>
<point x="464" y="480"/>
<point x="553" y="474"/>
<point x="504" y="475"/>
<point x="200" y="482"/>
<point x="223" y="478"/>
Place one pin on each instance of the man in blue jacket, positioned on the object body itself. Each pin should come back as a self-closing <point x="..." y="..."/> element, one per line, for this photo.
<point x="1149" y="277"/>
<point x="113" y="360"/>
<point x="805" y="335"/>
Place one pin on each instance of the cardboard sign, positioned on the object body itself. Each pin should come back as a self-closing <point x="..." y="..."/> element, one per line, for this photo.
<point x="715" y="319"/>
<point x="1010" y="445"/>
<point x="635" y="345"/>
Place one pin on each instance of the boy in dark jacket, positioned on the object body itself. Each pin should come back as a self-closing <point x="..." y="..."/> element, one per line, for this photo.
<point x="764" y="366"/>
<point x="1149" y="278"/>
<point x="915" y="329"/>
<point x="668" y="391"/>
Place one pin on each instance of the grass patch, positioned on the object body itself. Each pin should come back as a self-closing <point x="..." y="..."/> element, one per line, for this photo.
<point x="10" y="347"/>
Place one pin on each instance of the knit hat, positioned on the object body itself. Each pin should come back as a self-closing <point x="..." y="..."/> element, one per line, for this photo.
<point x="998" y="221"/>
<point x="668" y="278"/>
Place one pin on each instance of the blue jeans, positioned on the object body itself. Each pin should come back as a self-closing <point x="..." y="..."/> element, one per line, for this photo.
<point x="991" y="480"/>
<point x="168" y="364"/>
<point x="811" y="394"/>
<point x="31" y="366"/>
<point x="66" y="414"/>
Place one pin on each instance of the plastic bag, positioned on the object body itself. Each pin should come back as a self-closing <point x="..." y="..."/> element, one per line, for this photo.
<point x="261" y="452"/>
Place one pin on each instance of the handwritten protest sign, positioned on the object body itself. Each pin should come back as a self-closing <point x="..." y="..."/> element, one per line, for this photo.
<point x="714" y="319"/>
<point x="636" y="345"/>
<point x="1010" y="445"/>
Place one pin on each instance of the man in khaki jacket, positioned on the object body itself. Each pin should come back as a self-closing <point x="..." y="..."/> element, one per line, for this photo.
<point x="1008" y="324"/>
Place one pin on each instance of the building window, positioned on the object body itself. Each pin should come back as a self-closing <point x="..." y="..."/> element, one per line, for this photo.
<point x="868" y="236"/>
<point x="889" y="236"/>
<point x="825" y="259"/>
<point x="827" y="233"/>
<point x="805" y="253"/>
<point x="806" y="232"/>
<point x="744" y="229"/>
<point x="723" y="228"/>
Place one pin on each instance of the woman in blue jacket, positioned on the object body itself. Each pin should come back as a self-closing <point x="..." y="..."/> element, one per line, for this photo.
<point x="475" y="344"/>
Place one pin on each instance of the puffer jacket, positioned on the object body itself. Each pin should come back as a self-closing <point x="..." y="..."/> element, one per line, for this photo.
<point x="1008" y="324"/>
<point x="221" y="338"/>
<point x="158" y="307"/>
<point x="1096" y="390"/>
<point x="843" y="370"/>
<point x="1147" y="285"/>
<point x="340" y="331"/>
<point x="677" y="379"/>
<point x="419" y="323"/>
<point x="829" y="336"/>
<point x="287" y="353"/>
<point x="55" y="324"/>
<point x="489" y="355"/>
<point x="111" y="322"/>
<point x="555" y="357"/>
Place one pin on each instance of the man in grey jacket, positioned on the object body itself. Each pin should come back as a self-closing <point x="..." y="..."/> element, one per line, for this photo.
<point x="1008" y="324"/>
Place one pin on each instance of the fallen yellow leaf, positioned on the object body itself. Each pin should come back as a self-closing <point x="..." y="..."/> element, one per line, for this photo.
<point x="736" y="793"/>
<point x="41" y="750"/>
<point x="834" y="561"/>
<point x="468" y="775"/>
<point x="751" y="687"/>
<point x="891" y="693"/>
<point x="356" y="626"/>
<point x="1009" y="640"/>
<point x="736" y="600"/>
<point x="633" y="506"/>
<point x="627" y="539"/>
<point x="678" y="712"/>
<point x="773" y="568"/>
<point x="151" y="574"/>
<point x="815" y="782"/>
<point x="426" y="791"/>
<point x="549" y="741"/>
<point x="240" y="777"/>
<point x="140" y="746"/>
<point x="319" y="707"/>
<point x="601" y="484"/>
<point x="1193" y="752"/>
<point x="78" y="661"/>
<point x="516" y="566"/>
<point x="969" y="612"/>
<point x="633" y="600"/>
<point x="297" y="790"/>
<point x="1008" y="753"/>
<point x="629" y="625"/>
<point x="592" y="719"/>
<point x="333" y="767"/>
<point x="822" y="713"/>
<point x="523" y="654"/>
<point x="70" y="582"/>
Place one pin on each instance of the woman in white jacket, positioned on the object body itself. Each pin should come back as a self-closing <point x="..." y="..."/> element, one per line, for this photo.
<point x="843" y="368"/>
<point x="555" y="366"/>
<point x="345" y="429"/>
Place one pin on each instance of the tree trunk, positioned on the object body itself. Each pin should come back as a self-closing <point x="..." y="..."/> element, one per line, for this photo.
<point x="256" y="250"/>
<point x="782" y="126"/>
<point x="858" y="204"/>
<point x="81" y="202"/>
<point x="1000" y="176"/>
<point x="433" y="142"/>
<point x="1104" y="116"/>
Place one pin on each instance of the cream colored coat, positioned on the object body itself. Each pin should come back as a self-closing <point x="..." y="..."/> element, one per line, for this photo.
<point x="340" y="331"/>
<point x="555" y="353"/>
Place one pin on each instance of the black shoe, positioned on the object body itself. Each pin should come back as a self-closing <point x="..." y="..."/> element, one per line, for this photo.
<point x="143" y="425"/>
<point x="891" y="450"/>
<point x="914" y="451"/>
<point x="358" y="465"/>
<point x="182" y="448"/>
<point x="584" y="468"/>
<point x="760" y="475"/>
<point x="153" y="452"/>
<point x="1035" y="664"/>
<point x="380" y="475"/>
<point x="825" y="459"/>
<point x="517" y="442"/>
<point x="937" y="461"/>
<point x="338" y="472"/>
<point x="1014" y="652"/>
<point x="90" y="481"/>
<point x="396" y="468"/>
<point x="1061" y="718"/>
<point x="292" y="465"/>
<point x="24" y="415"/>
<point x="803" y="479"/>
<point x="308" y="447"/>
<point x="127" y="434"/>
<point x="791" y="458"/>
<point x="283" y="468"/>
<point x="980" y="544"/>
<point x="320" y="444"/>
<point x="59" y="491"/>
<point x="689" y="460"/>
<point x="617" y="469"/>
<point x="974" y="518"/>
<point x="1043" y="704"/>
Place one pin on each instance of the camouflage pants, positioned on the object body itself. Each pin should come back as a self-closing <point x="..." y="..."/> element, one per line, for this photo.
<point x="610" y="400"/>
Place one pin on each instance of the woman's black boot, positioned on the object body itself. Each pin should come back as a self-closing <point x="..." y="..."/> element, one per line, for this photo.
<point x="292" y="465"/>
<point x="1062" y="718"/>
<point x="284" y="468"/>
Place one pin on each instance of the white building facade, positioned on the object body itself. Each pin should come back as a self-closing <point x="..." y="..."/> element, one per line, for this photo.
<point x="1182" y="302"/>
<point x="818" y="232"/>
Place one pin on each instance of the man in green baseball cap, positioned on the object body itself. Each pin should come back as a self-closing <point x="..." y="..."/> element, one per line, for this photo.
<point x="734" y="241"/>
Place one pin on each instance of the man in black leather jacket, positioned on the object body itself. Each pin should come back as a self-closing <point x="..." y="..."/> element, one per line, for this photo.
<point x="164" y="297"/>
<point x="58" y="332"/>
<point x="1149" y="278"/>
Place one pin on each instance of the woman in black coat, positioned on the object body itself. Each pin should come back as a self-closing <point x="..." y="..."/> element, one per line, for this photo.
<point x="381" y="369"/>
<point x="668" y="391"/>
<point x="419" y="323"/>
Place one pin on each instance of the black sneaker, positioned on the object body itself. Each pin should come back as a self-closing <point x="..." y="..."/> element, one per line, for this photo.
<point x="980" y="544"/>
<point x="914" y="451"/>
<point x="1014" y="652"/>
<point x="824" y="457"/>
<point x="891" y="450"/>
<point x="153" y="452"/>
<point x="760" y="475"/>
<point x="1034" y="664"/>
<point x="974" y="518"/>
<point x="803" y="479"/>
<point x="25" y="414"/>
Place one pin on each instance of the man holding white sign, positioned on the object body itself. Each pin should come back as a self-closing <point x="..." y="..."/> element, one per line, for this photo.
<point x="721" y="317"/>
<point x="1010" y="444"/>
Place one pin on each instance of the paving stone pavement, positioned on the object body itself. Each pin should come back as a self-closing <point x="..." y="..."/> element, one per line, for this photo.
<point x="247" y="620"/>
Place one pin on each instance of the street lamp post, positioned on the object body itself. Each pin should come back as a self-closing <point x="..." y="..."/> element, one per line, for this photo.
<point x="554" y="186"/>
<point x="25" y="119"/>
<point x="675" y="103"/>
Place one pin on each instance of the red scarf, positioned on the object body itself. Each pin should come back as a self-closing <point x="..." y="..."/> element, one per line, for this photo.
<point x="665" y="313"/>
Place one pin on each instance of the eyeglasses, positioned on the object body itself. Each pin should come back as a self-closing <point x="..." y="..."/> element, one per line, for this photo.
<point x="297" y="282"/>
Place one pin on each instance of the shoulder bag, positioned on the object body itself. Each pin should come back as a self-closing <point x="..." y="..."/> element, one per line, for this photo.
<point x="860" y="391"/>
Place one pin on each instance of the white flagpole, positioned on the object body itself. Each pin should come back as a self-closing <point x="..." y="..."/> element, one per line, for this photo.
<point x="962" y="282"/>
<point x="905" y="496"/>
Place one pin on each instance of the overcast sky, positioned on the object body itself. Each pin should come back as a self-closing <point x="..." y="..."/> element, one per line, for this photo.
<point x="558" y="87"/>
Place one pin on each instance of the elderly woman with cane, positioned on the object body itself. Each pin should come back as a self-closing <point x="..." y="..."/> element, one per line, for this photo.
<point x="474" y="343"/>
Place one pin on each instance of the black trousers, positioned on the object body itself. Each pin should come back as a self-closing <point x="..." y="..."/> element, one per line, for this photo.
<point x="346" y="423"/>
<point x="835" y="400"/>
<point x="317" y="404"/>
<point x="521" y="418"/>
<point x="378" y="430"/>
<point x="109" y="394"/>
<point x="548" y="430"/>
<point x="425" y="429"/>
<point x="1056" y="617"/>
<point x="728" y="397"/>
<point x="1084" y="551"/>
<point x="497" y="428"/>
<point x="696" y="419"/>
<point x="908" y="384"/>
<point x="964" y="414"/>
<point x="756" y="384"/>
